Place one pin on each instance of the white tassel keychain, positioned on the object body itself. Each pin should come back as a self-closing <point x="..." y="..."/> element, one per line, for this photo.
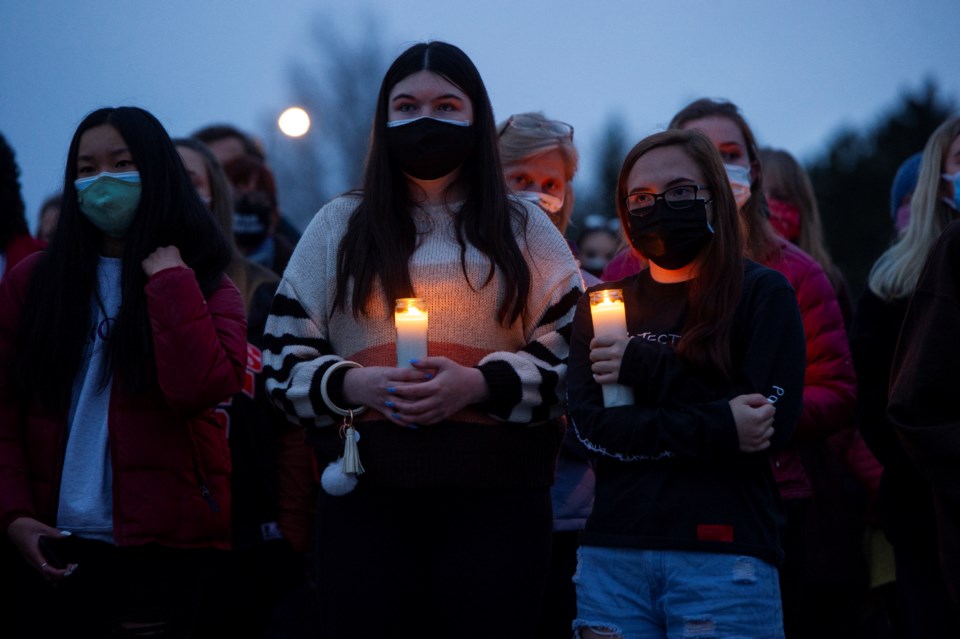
<point x="340" y="476"/>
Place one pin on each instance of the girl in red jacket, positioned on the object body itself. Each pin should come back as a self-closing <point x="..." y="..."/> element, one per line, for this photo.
<point x="117" y="344"/>
<point x="829" y="392"/>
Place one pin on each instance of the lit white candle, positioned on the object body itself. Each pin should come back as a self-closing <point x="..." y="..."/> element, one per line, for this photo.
<point x="411" y="320"/>
<point x="610" y="320"/>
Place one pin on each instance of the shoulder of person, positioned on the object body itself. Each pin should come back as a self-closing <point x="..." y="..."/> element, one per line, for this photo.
<point x="336" y="212"/>
<point x="21" y="273"/>
<point x="539" y="227"/>
<point x="805" y="273"/>
<point x="763" y="278"/>
<point x="329" y="222"/>
<point x="258" y="274"/>
<point x="948" y="240"/>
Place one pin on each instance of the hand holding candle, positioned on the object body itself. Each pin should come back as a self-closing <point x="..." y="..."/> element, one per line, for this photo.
<point x="610" y="320"/>
<point x="410" y="317"/>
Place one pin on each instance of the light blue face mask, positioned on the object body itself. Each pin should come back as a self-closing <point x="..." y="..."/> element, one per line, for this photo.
<point x="110" y="200"/>
<point x="549" y="203"/>
<point x="955" y="180"/>
<point x="739" y="178"/>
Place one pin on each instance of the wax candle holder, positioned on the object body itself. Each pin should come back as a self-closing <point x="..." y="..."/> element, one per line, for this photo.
<point x="410" y="317"/>
<point x="610" y="320"/>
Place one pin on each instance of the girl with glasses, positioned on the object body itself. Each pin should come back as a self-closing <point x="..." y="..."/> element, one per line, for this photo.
<point x="683" y="537"/>
<point x="814" y="587"/>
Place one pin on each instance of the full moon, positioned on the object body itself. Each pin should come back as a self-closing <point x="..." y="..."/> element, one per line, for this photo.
<point x="294" y="122"/>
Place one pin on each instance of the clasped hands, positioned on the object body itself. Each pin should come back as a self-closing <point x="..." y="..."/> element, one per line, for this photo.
<point x="430" y="392"/>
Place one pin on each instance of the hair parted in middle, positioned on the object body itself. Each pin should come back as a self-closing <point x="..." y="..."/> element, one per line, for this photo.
<point x="715" y="291"/>
<point x="381" y="234"/>
<point x="170" y="213"/>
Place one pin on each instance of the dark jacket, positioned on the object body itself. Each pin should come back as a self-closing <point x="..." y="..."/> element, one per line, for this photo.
<point x="923" y="385"/>
<point x="670" y="473"/>
<point x="906" y="505"/>
<point x="829" y="391"/>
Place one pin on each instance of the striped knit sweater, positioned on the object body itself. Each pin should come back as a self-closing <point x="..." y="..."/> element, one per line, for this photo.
<point x="509" y="441"/>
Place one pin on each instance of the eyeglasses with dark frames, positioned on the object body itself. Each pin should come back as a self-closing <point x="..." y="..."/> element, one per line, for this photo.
<point x="522" y="123"/>
<point x="677" y="198"/>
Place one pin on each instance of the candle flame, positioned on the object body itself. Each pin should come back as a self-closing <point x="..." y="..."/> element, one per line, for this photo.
<point x="606" y="298"/>
<point x="411" y="310"/>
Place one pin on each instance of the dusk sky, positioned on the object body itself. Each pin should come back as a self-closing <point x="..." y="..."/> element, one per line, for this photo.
<point x="798" y="70"/>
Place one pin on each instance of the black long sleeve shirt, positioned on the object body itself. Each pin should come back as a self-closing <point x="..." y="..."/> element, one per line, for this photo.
<point x="670" y="474"/>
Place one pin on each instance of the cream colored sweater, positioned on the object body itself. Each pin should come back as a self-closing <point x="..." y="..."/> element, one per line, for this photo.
<point x="524" y="364"/>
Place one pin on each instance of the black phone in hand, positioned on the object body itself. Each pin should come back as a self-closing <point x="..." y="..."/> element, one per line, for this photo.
<point x="54" y="551"/>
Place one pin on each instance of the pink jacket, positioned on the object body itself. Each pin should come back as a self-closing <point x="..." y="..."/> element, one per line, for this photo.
<point x="170" y="458"/>
<point x="625" y="263"/>
<point x="829" y="392"/>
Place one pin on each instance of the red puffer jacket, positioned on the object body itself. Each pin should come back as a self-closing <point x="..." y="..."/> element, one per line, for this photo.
<point x="829" y="392"/>
<point x="170" y="458"/>
<point x="18" y="248"/>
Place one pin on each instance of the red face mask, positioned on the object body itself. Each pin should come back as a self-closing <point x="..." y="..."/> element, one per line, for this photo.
<point x="785" y="218"/>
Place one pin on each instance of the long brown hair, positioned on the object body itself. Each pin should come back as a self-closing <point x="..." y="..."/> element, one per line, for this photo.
<point x="715" y="292"/>
<point x="762" y="243"/>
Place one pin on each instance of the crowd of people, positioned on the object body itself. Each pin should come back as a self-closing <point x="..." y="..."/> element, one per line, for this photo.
<point x="207" y="427"/>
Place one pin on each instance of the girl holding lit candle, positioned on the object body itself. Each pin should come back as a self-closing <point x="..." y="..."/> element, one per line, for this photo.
<point x="448" y="527"/>
<point x="715" y="358"/>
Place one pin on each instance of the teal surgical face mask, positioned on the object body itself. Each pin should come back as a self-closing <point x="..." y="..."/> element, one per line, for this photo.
<point x="110" y="200"/>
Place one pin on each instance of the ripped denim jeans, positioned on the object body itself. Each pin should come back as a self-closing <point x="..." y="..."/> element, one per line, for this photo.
<point x="627" y="593"/>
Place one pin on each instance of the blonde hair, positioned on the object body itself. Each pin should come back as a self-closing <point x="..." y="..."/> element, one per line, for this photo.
<point x="538" y="135"/>
<point x="894" y="275"/>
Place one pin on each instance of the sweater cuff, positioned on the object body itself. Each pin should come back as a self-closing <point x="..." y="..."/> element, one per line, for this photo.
<point x="505" y="388"/>
<point x="335" y="386"/>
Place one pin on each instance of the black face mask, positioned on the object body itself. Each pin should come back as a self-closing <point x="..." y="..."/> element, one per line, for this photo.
<point x="428" y="149"/>
<point x="251" y="221"/>
<point x="669" y="238"/>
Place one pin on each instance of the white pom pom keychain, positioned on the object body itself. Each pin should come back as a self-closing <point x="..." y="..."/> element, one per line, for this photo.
<point x="340" y="476"/>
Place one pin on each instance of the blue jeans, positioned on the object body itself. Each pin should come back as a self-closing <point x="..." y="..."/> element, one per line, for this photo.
<point x="632" y="594"/>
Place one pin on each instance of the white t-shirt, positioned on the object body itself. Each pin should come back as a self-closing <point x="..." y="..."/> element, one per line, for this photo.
<point x="86" y="499"/>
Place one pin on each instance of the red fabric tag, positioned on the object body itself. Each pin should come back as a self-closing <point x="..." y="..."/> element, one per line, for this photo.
<point x="717" y="532"/>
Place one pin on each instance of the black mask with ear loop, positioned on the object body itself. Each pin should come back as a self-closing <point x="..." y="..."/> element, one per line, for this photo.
<point x="671" y="238"/>
<point x="252" y="215"/>
<point x="427" y="148"/>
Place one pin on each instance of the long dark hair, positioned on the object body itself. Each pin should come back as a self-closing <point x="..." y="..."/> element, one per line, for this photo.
<point x="381" y="235"/>
<point x="12" y="220"/>
<point x="715" y="292"/>
<point x="56" y="314"/>
<point x="762" y="244"/>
